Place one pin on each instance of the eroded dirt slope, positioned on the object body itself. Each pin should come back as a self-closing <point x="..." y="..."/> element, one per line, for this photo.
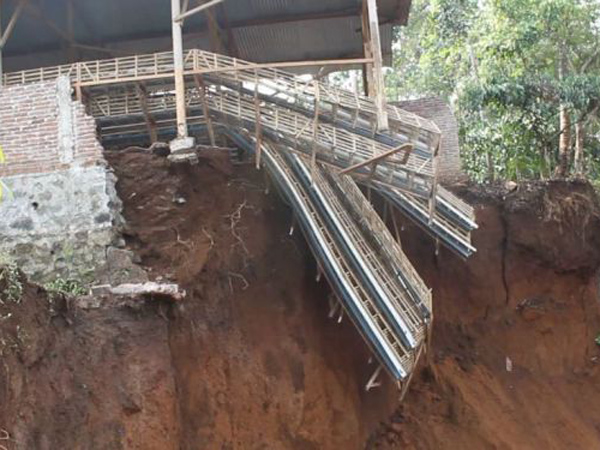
<point x="250" y="361"/>
<point x="528" y="299"/>
<point x="258" y="364"/>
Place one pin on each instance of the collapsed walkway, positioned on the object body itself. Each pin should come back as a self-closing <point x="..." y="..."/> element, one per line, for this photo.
<point x="316" y="142"/>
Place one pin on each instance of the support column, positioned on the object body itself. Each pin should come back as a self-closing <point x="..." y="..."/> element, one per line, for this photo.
<point x="182" y="141"/>
<point x="367" y="70"/>
<point x="377" y="80"/>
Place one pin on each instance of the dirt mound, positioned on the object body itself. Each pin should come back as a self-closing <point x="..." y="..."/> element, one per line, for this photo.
<point x="250" y="360"/>
<point x="83" y="378"/>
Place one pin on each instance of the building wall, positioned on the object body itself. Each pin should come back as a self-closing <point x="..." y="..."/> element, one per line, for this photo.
<point x="435" y="109"/>
<point x="59" y="214"/>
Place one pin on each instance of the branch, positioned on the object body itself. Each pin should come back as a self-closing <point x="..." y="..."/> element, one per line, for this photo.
<point x="590" y="60"/>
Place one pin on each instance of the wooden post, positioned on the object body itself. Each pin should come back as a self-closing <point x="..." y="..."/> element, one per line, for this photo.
<point x="367" y="70"/>
<point x="150" y="122"/>
<point x="215" y="33"/>
<point x="176" y="25"/>
<point x="377" y="73"/>
<point x="433" y="198"/>
<point x="407" y="148"/>
<point x="313" y="160"/>
<point x="202" y="92"/>
<point x="257" y="119"/>
<point x="231" y="43"/>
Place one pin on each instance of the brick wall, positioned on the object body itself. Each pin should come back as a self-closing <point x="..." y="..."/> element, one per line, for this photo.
<point x="42" y="130"/>
<point x="435" y="109"/>
<point x="60" y="213"/>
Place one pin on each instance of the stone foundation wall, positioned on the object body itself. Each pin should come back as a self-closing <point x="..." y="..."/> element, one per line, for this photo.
<point x="61" y="211"/>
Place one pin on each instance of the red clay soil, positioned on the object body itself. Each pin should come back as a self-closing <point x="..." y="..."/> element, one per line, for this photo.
<point x="250" y="361"/>
<point x="528" y="299"/>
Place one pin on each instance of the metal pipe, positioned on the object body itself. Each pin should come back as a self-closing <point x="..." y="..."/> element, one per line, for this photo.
<point x="291" y="189"/>
<point x="380" y="297"/>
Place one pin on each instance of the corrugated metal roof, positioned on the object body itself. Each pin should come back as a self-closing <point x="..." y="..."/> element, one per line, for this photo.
<point x="313" y="40"/>
<point x="264" y="30"/>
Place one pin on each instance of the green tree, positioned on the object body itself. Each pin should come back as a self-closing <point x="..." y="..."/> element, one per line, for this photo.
<point x="523" y="76"/>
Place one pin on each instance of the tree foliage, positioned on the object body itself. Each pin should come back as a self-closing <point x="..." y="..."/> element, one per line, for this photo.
<point x="520" y="74"/>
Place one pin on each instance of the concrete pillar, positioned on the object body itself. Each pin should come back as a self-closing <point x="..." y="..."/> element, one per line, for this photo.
<point x="183" y="141"/>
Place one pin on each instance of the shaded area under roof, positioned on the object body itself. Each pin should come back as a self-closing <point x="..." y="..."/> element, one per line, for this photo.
<point x="263" y="30"/>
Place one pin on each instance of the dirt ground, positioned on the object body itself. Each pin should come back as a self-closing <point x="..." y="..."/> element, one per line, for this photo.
<point x="250" y="360"/>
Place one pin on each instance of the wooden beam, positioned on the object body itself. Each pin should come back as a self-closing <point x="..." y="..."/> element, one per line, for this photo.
<point x="232" y="47"/>
<point x="185" y="6"/>
<point x="313" y="161"/>
<point x="202" y="92"/>
<point x="198" y="29"/>
<point x="34" y="10"/>
<point x="375" y="160"/>
<point x="150" y="122"/>
<point x="215" y="33"/>
<point x="181" y="17"/>
<point x="275" y="65"/>
<point x="11" y="24"/>
<point x="258" y="120"/>
<point x="367" y="71"/>
<point x="377" y="77"/>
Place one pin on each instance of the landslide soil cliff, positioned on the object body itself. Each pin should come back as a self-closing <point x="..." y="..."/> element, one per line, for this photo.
<point x="250" y="360"/>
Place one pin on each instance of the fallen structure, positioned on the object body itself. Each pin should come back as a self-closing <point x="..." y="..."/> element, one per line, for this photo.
<point x="316" y="142"/>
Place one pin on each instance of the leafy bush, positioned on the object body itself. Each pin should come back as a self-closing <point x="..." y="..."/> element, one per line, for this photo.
<point x="67" y="288"/>
<point x="11" y="288"/>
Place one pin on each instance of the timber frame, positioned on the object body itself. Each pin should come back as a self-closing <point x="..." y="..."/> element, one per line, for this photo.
<point x="222" y="41"/>
<point x="373" y="60"/>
